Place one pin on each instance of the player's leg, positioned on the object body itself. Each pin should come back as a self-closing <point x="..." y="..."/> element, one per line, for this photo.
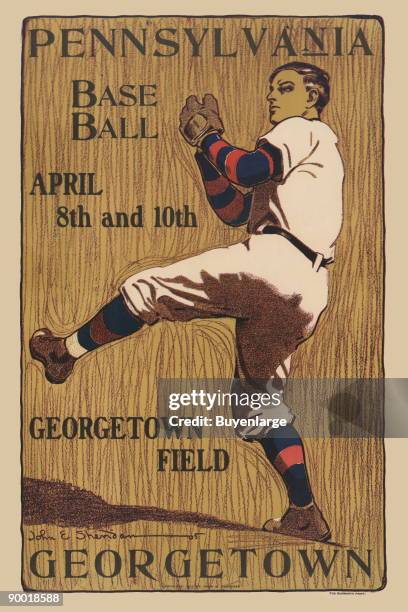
<point x="284" y="449"/>
<point x="113" y="322"/>
<point x="192" y="288"/>
<point x="303" y="518"/>
<point x="264" y="345"/>
<point x="270" y="325"/>
<point x="58" y="355"/>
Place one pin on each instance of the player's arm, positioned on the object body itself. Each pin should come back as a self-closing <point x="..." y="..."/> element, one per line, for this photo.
<point x="246" y="168"/>
<point x="229" y="204"/>
<point x="201" y="125"/>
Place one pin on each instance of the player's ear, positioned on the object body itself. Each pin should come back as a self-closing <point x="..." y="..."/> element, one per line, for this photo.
<point x="312" y="97"/>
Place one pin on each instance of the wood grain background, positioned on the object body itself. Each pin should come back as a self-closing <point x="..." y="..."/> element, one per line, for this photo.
<point x="69" y="273"/>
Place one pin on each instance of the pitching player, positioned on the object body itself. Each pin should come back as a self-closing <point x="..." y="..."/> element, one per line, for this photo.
<point x="273" y="284"/>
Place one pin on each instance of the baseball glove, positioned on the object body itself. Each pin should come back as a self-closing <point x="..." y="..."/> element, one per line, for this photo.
<point x="198" y="119"/>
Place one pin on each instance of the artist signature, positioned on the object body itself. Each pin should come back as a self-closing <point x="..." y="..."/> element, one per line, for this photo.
<point x="80" y="534"/>
<point x="101" y="534"/>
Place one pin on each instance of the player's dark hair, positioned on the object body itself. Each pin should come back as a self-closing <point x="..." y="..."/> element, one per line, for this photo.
<point x="312" y="76"/>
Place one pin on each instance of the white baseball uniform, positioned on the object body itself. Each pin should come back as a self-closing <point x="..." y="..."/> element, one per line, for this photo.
<point x="269" y="286"/>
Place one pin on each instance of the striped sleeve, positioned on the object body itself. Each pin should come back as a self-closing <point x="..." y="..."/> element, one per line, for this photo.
<point x="246" y="168"/>
<point x="230" y="205"/>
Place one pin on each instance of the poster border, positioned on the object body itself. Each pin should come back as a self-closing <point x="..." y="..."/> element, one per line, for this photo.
<point x="381" y="22"/>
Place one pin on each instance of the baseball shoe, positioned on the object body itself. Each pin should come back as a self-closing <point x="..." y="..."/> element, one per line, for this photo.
<point x="306" y="523"/>
<point x="52" y="353"/>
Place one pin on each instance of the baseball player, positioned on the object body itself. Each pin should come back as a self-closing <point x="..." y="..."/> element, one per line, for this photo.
<point x="274" y="284"/>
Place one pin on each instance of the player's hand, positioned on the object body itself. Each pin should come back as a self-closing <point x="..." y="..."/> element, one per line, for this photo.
<point x="197" y="119"/>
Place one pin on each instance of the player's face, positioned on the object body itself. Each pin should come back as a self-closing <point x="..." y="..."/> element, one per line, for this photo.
<point x="288" y="96"/>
